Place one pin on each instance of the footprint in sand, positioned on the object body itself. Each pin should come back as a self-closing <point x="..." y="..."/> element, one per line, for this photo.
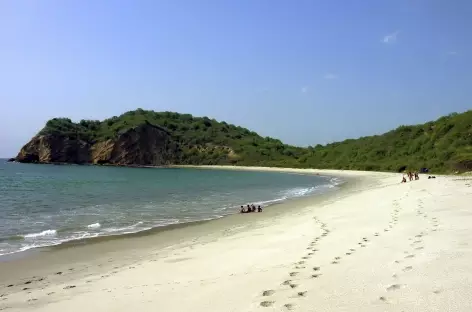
<point x="266" y="304"/>
<point x="394" y="287"/>
<point x="269" y="292"/>
<point x="301" y="293"/>
<point x="383" y="299"/>
<point x="289" y="306"/>
<point x="334" y="262"/>
<point x="348" y="253"/>
<point x="409" y="256"/>
<point x="408" y="268"/>
<point x="315" y="275"/>
<point x="298" y="267"/>
<point x="316" y="268"/>
<point x="293" y="285"/>
<point x="300" y="262"/>
<point x="287" y="282"/>
<point x="419" y="248"/>
<point x="293" y="273"/>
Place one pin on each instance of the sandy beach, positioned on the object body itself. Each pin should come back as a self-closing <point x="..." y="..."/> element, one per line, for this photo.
<point x="374" y="245"/>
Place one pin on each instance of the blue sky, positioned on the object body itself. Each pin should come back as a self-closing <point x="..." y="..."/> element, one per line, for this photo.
<point x="306" y="72"/>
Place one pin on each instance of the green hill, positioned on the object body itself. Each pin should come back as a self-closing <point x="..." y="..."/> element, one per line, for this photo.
<point x="204" y="141"/>
<point x="443" y="145"/>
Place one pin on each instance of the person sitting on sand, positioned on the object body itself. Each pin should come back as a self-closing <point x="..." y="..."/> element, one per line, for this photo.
<point x="403" y="180"/>
<point x="259" y="208"/>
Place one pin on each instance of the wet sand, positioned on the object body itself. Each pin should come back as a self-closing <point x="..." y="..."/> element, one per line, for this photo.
<point x="375" y="245"/>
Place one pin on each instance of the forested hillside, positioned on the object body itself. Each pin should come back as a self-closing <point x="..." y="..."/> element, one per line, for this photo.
<point x="442" y="145"/>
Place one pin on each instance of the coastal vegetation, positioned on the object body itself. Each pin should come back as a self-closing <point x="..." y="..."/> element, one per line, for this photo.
<point x="443" y="145"/>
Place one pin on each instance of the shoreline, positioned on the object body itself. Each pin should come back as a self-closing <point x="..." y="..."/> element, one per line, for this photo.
<point x="375" y="244"/>
<point x="178" y="225"/>
<point x="35" y="261"/>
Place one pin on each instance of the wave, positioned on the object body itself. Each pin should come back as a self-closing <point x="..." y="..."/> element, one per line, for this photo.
<point x="94" y="226"/>
<point x="40" y="234"/>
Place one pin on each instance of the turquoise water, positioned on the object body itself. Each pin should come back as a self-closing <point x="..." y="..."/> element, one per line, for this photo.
<point x="43" y="205"/>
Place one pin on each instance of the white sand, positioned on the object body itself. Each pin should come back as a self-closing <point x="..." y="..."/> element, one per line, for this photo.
<point x="401" y="247"/>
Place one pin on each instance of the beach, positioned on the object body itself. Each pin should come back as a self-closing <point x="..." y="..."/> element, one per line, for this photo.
<point x="373" y="245"/>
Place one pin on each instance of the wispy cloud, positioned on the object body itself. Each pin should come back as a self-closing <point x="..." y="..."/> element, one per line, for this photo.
<point x="330" y="76"/>
<point x="304" y="89"/>
<point x="390" y="38"/>
<point x="452" y="53"/>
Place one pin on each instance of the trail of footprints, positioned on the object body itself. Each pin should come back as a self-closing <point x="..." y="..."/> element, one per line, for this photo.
<point x="416" y="246"/>
<point x="315" y="272"/>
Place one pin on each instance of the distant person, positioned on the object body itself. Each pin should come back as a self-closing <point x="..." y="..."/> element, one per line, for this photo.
<point x="259" y="208"/>
<point x="417" y="177"/>
<point x="253" y="208"/>
<point x="249" y="208"/>
<point x="242" y="210"/>
<point x="404" y="179"/>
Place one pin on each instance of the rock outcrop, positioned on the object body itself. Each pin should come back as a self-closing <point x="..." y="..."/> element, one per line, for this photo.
<point x="143" y="145"/>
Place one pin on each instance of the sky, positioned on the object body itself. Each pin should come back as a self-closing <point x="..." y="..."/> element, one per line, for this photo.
<point x="306" y="72"/>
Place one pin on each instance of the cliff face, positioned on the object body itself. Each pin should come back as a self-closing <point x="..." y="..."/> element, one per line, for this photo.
<point x="142" y="145"/>
<point x="54" y="149"/>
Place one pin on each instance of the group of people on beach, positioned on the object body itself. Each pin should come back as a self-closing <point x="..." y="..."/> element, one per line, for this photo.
<point x="411" y="176"/>
<point x="250" y="208"/>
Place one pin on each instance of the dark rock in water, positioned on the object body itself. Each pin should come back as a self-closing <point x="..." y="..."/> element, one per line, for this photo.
<point x="11" y="160"/>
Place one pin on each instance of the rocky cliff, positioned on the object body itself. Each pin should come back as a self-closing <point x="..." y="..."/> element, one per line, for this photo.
<point x="142" y="145"/>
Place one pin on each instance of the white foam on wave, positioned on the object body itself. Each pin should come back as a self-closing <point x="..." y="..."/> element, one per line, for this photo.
<point x="299" y="191"/>
<point x="126" y="229"/>
<point x="41" y="234"/>
<point x="94" y="226"/>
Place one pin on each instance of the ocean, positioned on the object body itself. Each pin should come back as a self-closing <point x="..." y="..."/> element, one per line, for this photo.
<point x="45" y="205"/>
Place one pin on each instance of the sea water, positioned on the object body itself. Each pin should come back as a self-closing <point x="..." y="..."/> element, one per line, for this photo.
<point x="44" y="205"/>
